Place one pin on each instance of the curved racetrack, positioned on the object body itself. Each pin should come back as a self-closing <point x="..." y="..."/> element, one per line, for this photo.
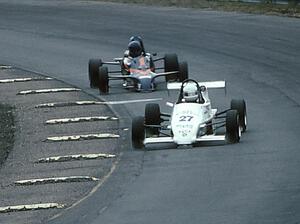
<point x="255" y="181"/>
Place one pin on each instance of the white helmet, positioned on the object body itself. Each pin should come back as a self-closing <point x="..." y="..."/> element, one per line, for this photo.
<point x="190" y="92"/>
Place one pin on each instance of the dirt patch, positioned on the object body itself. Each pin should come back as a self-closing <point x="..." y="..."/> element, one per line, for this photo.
<point x="291" y="10"/>
<point x="6" y="131"/>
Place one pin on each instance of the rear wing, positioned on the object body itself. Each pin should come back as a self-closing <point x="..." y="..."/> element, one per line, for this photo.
<point x="208" y="85"/>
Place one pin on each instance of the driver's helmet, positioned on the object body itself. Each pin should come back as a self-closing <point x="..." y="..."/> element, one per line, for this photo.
<point x="190" y="92"/>
<point x="136" y="38"/>
<point x="135" y="49"/>
<point x="139" y="39"/>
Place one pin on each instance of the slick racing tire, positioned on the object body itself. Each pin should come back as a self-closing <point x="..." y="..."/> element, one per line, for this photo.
<point x="183" y="71"/>
<point x="233" y="132"/>
<point x="171" y="64"/>
<point x="152" y="117"/>
<point x="94" y="65"/>
<point x="240" y="106"/>
<point x="138" y="132"/>
<point x="103" y="80"/>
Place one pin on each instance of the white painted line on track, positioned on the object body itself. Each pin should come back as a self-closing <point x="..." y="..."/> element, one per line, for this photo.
<point x="18" y="208"/>
<point x="38" y="91"/>
<point x="82" y="137"/>
<point x="86" y="103"/>
<point x="76" y="157"/>
<point x="5" y="67"/>
<point x="80" y="119"/>
<point x="23" y="80"/>
<point x="131" y="101"/>
<point x="54" y="180"/>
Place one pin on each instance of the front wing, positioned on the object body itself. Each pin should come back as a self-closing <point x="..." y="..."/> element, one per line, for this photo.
<point x="205" y="138"/>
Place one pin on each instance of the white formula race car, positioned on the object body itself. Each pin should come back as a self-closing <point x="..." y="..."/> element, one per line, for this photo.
<point x="192" y="120"/>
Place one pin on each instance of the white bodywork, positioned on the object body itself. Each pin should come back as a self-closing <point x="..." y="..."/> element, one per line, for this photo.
<point x="188" y="120"/>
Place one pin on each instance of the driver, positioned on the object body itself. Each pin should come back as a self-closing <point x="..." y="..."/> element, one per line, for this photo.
<point x="190" y="94"/>
<point x="139" y="39"/>
<point x="134" y="51"/>
<point x="136" y="57"/>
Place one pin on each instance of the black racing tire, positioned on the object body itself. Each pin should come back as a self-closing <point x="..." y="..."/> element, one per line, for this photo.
<point x="171" y="64"/>
<point x="152" y="114"/>
<point x="183" y="71"/>
<point x="103" y="80"/>
<point x="240" y="106"/>
<point x="94" y="65"/>
<point x="152" y="117"/>
<point x="232" y="126"/>
<point x="138" y="132"/>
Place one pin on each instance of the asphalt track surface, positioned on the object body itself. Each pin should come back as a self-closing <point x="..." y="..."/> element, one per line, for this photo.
<point x="255" y="181"/>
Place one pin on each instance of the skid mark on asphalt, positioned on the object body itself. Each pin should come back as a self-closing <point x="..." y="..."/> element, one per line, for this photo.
<point x="39" y="91"/>
<point x="3" y="81"/>
<point x="86" y="103"/>
<point x="54" y="180"/>
<point x="81" y="119"/>
<point x="67" y="158"/>
<point x="19" y="208"/>
<point x="82" y="137"/>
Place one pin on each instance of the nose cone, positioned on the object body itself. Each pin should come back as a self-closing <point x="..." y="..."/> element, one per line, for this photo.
<point x="145" y="84"/>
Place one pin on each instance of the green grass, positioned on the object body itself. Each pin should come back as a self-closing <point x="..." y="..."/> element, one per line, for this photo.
<point x="225" y="5"/>
<point x="6" y="131"/>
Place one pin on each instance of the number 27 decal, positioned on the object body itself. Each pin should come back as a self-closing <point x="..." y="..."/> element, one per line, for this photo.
<point x="185" y="118"/>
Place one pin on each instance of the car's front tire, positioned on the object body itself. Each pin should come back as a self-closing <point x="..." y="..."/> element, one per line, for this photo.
<point x="94" y="65"/>
<point x="233" y="131"/>
<point x="240" y="106"/>
<point x="103" y="80"/>
<point x="152" y="117"/>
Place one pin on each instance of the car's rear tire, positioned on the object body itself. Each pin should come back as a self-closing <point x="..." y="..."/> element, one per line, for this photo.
<point x="240" y="106"/>
<point x="183" y="71"/>
<point x="232" y="126"/>
<point x="152" y="117"/>
<point x="103" y="80"/>
<point x="94" y="65"/>
<point x="171" y="64"/>
<point x="138" y="132"/>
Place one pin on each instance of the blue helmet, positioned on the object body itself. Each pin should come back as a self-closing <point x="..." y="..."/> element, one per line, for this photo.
<point x="139" y="39"/>
<point x="135" y="38"/>
<point x="135" y="49"/>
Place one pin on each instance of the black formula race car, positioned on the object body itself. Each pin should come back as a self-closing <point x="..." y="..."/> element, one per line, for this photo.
<point x="140" y="76"/>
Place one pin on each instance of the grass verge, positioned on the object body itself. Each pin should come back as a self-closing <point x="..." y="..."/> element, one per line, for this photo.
<point x="6" y="131"/>
<point x="291" y="9"/>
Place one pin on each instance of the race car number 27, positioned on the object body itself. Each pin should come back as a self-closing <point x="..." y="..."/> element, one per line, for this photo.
<point x="185" y="118"/>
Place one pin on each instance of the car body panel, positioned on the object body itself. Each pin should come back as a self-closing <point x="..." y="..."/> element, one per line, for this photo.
<point x="187" y="119"/>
